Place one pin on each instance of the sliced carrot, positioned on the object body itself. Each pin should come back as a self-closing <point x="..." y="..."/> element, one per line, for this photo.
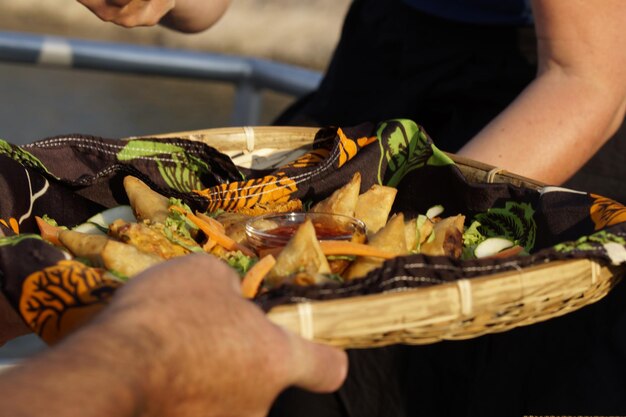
<point x="178" y="209"/>
<point x="341" y="247"/>
<point x="254" y="277"/>
<point x="219" y="237"/>
<point x="48" y="232"/>
<point x="208" y="245"/>
<point x="210" y="220"/>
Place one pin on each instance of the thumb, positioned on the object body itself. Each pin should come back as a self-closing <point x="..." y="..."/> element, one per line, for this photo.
<point x="317" y="367"/>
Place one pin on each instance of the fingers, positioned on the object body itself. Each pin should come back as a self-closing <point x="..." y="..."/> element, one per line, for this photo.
<point x="130" y="13"/>
<point x="312" y="366"/>
<point x="317" y="367"/>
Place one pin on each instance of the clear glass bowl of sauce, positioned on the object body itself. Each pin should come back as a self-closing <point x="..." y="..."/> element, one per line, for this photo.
<point x="274" y="230"/>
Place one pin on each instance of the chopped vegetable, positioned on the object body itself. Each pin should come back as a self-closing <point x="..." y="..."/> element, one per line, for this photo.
<point x="99" y="224"/>
<point x="216" y="235"/>
<point x="492" y="246"/>
<point x="49" y="231"/>
<point x="434" y="211"/>
<point x="341" y="247"/>
<point x="240" y="262"/>
<point x="254" y="277"/>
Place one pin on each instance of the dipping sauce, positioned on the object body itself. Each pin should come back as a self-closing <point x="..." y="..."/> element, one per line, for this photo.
<point x="275" y="230"/>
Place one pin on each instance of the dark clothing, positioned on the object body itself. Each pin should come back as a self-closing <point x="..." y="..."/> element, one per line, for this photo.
<point x="453" y="78"/>
<point x="490" y="12"/>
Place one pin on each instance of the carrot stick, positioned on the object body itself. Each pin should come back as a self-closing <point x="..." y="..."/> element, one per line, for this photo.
<point x="210" y="220"/>
<point x="340" y="247"/>
<point x="208" y="245"/>
<point x="254" y="277"/>
<point x="48" y="232"/>
<point x="219" y="237"/>
<point x="207" y="219"/>
<point x="178" y="209"/>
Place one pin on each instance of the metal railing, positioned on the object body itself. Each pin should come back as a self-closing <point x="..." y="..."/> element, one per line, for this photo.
<point x="249" y="75"/>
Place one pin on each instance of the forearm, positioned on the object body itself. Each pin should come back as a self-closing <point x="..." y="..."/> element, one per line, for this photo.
<point x="551" y="129"/>
<point x="176" y="340"/>
<point x="94" y="373"/>
<point x="191" y="16"/>
<point x="577" y="100"/>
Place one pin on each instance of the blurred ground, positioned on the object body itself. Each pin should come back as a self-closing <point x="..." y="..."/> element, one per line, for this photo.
<point x="39" y="102"/>
<point x="294" y="31"/>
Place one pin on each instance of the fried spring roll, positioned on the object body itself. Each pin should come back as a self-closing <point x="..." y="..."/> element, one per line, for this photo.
<point x="147" y="204"/>
<point x="448" y="238"/>
<point x="104" y="252"/>
<point x="391" y="238"/>
<point x="343" y="200"/>
<point x="373" y="207"/>
<point x="302" y="255"/>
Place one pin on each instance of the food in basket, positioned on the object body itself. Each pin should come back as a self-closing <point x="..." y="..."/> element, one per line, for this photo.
<point x="342" y="237"/>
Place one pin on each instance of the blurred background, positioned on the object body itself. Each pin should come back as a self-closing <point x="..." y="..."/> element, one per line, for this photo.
<point x="38" y="102"/>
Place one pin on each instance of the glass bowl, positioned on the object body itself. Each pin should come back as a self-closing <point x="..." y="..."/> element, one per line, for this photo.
<point x="274" y="230"/>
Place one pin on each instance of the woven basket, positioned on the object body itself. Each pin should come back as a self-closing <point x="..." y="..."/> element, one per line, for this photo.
<point x="460" y="310"/>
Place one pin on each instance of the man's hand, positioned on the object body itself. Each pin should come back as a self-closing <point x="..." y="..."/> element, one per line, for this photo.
<point x="130" y="13"/>
<point x="218" y="351"/>
<point x="178" y="339"/>
<point x="11" y="325"/>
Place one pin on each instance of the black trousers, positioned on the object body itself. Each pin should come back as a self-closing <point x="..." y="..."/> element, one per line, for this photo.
<point x="452" y="78"/>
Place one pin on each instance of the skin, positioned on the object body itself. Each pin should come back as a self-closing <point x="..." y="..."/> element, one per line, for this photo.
<point x="576" y="102"/>
<point x="177" y="340"/>
<point x="574" y="105"/>
<point x="188" y="16"/>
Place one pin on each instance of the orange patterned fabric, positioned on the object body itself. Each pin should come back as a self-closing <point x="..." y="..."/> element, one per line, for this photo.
<point x="606" y="212"/>
<point x="348" y="148"/>
<point x="237" y="195"/>
<point x="61" y="297"/>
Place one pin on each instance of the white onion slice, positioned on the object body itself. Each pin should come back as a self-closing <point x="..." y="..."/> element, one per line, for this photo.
<point x="101" y="221"/>
<point x="434" y="211"/>
<point x="491" y="246"/>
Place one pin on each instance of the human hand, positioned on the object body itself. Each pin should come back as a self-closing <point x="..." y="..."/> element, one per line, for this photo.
<point x="11" y="325"/>
<point x="208" y="351"/>
<point x="130" y="13"/>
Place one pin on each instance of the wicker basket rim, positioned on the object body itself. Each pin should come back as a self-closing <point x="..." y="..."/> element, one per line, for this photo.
<point x="451" y="311"/>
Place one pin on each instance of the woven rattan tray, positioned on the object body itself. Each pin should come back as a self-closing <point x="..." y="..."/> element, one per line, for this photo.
<point x="459" y="310"/>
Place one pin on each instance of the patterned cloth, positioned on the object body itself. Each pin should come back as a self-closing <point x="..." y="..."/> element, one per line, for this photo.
<point x="72" y="178"/>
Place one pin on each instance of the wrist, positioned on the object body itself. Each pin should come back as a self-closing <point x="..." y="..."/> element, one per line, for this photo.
<point x="133" y="353"/>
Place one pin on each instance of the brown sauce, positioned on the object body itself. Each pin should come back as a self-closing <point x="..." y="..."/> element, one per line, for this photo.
<point x="322" y="231"/>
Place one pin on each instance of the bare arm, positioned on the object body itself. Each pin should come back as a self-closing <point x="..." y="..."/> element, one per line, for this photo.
<point x="177" y="340"/>
<point x="577" y="100"/>
<point x="188" y="16"/>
